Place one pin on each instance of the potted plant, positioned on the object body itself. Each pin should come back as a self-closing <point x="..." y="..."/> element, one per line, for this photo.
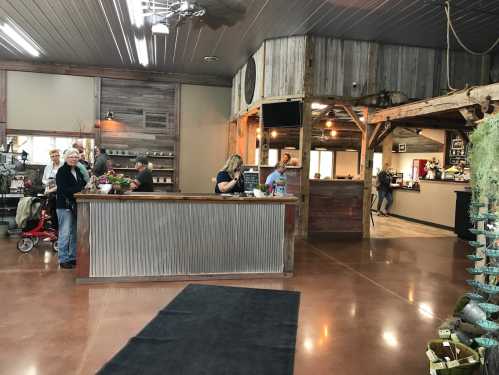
<point x="261" y="190"/>
<point x="118" y="182"/>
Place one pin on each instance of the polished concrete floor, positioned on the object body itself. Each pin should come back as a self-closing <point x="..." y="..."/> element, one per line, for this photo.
<point x="367" y="307"/>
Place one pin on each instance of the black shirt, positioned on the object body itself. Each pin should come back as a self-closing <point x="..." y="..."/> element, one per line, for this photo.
<point x="100" y="166"/>
<point x="67" y="185"/>
<point x="384" y="181"/>
<point x="223" y="176"/>
<point x="145" y="179"/>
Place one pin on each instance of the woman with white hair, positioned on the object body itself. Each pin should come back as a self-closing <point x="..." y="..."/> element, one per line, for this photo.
<point x="69" y="180"/>
<point x="230" y="178"/>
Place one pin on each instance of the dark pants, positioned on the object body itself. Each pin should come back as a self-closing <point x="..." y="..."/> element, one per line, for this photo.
<point x="385" y="194"/>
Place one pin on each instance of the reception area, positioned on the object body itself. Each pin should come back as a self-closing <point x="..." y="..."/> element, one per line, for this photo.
<point x="248" y="187"/>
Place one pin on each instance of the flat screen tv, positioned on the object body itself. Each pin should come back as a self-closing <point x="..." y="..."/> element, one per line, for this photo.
<point x="282" y="115"/>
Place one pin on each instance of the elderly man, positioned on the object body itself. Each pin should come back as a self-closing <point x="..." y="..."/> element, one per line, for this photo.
<point x="278" y="180"/>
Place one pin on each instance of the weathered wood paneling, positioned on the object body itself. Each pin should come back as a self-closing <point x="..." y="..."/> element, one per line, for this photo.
<point x="341" y="67"/>
<point x="410" y="70"/>
<point x="238" y="84"/>
<point x="284" y="66"/>
<point x="465" y="70"/>
<point x="131" y="102"/>
<point x="335" y="208"/>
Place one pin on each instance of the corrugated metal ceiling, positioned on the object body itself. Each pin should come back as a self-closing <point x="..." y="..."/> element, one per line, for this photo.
<point x="99" y="32"/>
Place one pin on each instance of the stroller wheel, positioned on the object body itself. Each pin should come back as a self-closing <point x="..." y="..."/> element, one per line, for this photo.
<point x="55" y="246"/>
<point x="25" y="245"/>
<point x="35" y="240"/>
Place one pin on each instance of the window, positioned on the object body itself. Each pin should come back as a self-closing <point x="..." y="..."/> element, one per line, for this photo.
<point x="38" y="147"/>
<point x="377" y="163"/>
<point x="273" y="156"/>
<point x="321" y="162"/>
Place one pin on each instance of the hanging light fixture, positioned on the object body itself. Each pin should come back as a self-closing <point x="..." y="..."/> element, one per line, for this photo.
<point x="273" y="134"/>
<point x="334" y="133"/>
<point x="329" y="123"/>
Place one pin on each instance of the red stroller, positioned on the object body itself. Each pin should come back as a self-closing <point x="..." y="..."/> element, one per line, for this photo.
<point x="37" y="227"/>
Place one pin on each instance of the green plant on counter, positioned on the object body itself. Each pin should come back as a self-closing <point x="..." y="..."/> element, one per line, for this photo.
<point x="484" y="159"/>
<point x="263" y="188"/>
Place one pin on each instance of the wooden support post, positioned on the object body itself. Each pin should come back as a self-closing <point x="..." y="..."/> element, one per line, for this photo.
<point x="387" y="149"/>
<point x="306" y="136"/>
<point x="242" y="137"/>
<point x="251" y="143"/>
<point x="305" y="146"/>
<point x="366" y="171"/>
<point x="3" y="108"/>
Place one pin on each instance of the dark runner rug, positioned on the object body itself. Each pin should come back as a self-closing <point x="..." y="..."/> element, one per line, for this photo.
<point x="215" y="330"/>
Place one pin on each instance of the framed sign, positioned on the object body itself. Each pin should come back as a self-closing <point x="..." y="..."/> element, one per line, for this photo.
<point x="402" y="147"/>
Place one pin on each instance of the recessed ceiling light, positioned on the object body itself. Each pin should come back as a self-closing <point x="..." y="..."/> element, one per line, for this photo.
<point x="210" y="59"/>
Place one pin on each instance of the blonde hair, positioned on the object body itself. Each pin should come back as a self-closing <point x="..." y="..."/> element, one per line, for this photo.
<point x="233" y="163"/>
<point x="71" y="151"/>
<point x="53" y="151"/>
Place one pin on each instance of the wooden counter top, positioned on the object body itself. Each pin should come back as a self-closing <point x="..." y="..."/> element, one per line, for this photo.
<point x="184" y="197"/>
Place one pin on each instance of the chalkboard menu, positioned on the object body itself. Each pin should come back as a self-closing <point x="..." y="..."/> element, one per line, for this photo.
<point x="456" y="149"/>
<point x="250" y="181"/>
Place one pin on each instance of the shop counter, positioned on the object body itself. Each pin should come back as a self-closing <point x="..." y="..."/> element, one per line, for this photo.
<point x="434" y="202"/>
<point x="151" y="236"/>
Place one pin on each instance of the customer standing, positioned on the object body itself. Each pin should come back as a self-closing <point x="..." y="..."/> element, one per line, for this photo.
<point x="48" y="181"/>
<point x="69" y="180"/>
<point x="384" y="187"/>
<point x="143" y="181"/>
<point x="230" y="178"/>
<point x="51" y="168"/>
<point x="278" y="180"/>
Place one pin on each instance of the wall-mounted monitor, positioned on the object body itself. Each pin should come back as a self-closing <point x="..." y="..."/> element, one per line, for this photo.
<point x="283" y="114"/>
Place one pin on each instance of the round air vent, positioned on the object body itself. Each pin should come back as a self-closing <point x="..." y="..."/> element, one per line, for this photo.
<point x="250" y="80"/>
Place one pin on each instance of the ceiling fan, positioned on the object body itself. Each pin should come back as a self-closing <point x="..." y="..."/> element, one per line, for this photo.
<point x="213" y="13"/>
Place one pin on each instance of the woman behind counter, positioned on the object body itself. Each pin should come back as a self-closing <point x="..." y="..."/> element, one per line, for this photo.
<point x="230" y="179"/>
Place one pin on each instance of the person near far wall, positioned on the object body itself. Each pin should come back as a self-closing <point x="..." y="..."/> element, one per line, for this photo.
<point x="48" y="181"/>
<point x="230" y="178"/>
<point x="143" y="181"/>
<point x="383" y="185"/>
<point x="286" y="158"/>
<point x="101" y="162"/>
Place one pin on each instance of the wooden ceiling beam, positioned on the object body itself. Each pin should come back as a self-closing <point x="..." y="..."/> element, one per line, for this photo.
<point x="116" y="73"/>
<point x="453" y="102"/>
<point x="348" y="109"/>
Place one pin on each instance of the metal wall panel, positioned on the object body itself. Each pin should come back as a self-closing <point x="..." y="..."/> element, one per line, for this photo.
<point x="141" y="238"/>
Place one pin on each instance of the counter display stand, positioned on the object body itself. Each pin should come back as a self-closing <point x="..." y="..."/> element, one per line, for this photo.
<point x="486" y="269"/>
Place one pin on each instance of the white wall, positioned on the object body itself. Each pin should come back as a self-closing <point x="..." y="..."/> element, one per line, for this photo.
<point x="346" y="163"/>
<point x="50" y="102"/>
<point x="402" y="161"/>
<point x="204" y="116"/>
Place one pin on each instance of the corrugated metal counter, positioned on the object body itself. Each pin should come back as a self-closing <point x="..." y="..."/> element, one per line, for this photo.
<point x="147" y="237"/>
